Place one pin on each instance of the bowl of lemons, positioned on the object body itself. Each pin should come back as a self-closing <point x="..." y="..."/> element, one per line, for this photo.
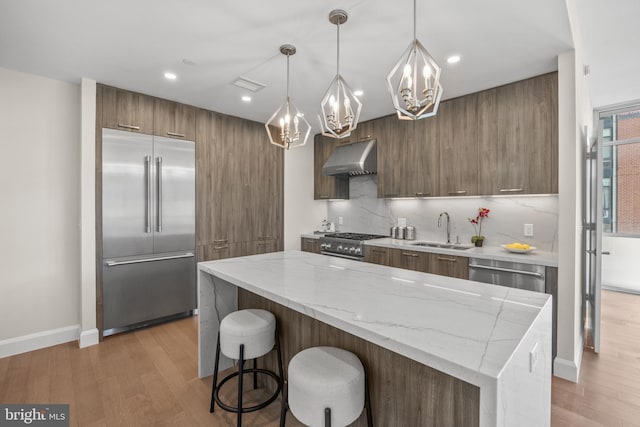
<point x="519" y="248"/>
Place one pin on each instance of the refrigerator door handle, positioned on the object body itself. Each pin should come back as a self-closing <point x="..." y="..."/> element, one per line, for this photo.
<point x="138" y="261"/>
<point x="147" y="163"/>
<point x="159" y="190"/>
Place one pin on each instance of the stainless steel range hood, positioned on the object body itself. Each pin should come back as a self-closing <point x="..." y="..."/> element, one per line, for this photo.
<point x="360" y="158"/>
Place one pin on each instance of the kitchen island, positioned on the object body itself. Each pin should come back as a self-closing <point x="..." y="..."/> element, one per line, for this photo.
<point x="454" y="352"/>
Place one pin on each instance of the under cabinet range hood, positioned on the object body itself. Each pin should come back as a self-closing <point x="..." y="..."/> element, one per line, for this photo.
<point x="360" y="158"/>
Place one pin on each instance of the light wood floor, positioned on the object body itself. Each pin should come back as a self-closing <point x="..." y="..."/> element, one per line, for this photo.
<point x="149" y="378"/>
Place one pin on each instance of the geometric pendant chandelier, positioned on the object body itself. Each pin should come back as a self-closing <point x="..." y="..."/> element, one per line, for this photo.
<point x="287" y="128"/>
<point x="340" y="107"/>
<point x="414" y="82"/>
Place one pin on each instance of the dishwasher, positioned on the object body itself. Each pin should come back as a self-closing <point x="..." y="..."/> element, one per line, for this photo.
<point x="507" y="273"/>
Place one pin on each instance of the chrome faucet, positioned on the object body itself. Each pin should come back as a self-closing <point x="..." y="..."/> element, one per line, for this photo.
<point x="448" y="221"/>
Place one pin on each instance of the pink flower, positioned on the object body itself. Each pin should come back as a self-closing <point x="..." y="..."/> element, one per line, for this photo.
<point x="482" y="214"/>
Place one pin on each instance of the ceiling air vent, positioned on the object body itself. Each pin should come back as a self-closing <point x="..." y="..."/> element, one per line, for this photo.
<point x="251" y="85"/>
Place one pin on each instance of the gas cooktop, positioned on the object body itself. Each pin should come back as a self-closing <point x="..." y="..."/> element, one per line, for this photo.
<point x="354" y="236"/>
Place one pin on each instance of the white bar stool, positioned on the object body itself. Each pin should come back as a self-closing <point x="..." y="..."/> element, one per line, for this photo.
<point x="244" y="335"/>
<point x="327" y="386"/>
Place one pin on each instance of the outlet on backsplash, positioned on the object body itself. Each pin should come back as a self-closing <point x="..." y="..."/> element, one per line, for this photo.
<point x="402" y="222"/>
<point x="528" y="230"/>
<point x="340" y="220"/>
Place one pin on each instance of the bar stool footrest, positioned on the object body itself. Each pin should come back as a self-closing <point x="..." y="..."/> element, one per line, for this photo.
<point x="257" y="407"/>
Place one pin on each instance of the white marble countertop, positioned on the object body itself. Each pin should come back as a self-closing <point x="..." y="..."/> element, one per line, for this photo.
<point x="548" y="259"/>
<point x="466" y="329"/>
<point x="537" y="257"/>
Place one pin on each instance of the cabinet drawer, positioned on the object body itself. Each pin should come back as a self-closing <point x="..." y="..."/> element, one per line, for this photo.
<point x="410" y="260"/>
<point x="310" y="245"/>
<point x="377" y="255"/>
<point x="449" y="265"/>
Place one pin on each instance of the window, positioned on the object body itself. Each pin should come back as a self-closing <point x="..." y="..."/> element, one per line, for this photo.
<point x="621" y="171"/>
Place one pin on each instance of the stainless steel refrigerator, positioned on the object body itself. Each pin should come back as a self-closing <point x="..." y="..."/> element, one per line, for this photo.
<point x="148" y="229"/>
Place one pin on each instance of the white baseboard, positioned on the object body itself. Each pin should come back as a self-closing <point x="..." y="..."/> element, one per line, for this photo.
<point x="39" y="340"/>
<point x="89" y="337"/>
<point x="569" y="369"/>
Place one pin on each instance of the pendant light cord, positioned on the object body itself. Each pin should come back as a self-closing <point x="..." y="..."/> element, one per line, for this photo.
<point x="288" y="76"/>
<point x="414" y="19"/>
<point x="338" y="50"/>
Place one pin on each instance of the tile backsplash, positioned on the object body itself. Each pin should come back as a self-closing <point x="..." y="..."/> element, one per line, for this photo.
<point x="365" y="213"/>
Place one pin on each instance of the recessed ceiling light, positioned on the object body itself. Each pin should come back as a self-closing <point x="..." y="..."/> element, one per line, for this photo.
<point x="358" y="93"/>
<point x="246" y="98"/>
<point x="453" y="59"/>
<point x="170" y="76"/>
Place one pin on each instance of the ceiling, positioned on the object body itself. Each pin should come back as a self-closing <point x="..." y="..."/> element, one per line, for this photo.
<point x="609" y="31"/>
<point x="130" y="44"/>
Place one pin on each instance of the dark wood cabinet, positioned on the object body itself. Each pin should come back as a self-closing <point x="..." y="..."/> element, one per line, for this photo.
<point x="327" y="187"/>
<point x="393" y="138"/>
<point x="239" y="190"/>
<point x="457" y="135"/>
<point x="124" y="110"/>
<point x="449" y="265"/>
<point x="310" y="245"/>
<point x="518" y="129"/>
<point x="410" y="260"/>
<point x="377" y="255"/>
<point x="174" y="120"/>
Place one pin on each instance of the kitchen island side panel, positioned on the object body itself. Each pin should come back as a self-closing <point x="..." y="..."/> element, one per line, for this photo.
<point x="403" y="392"/>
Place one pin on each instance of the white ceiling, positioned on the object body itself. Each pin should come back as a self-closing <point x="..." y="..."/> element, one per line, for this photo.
<point x="130" y="44"/>
<point x="611" y="39"/>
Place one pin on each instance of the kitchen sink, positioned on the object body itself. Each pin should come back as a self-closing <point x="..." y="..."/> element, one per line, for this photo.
<point x="455" y="246"/>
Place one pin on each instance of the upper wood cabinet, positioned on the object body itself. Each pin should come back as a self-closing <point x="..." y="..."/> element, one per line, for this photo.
<point x="393" y="138"/>
<point x="327" y="187"/>
<point x="126" y="110"/>
<point x="457" y="136"/>
<point x="423" y="160"/>
<point x="518" y="129"/>
<point x="174" y="120"/>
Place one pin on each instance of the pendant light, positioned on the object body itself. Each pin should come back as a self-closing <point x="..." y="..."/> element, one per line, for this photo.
<point x="340" y="107"/>
<point x="287" y="128"/>
<point x="414" y="82"/>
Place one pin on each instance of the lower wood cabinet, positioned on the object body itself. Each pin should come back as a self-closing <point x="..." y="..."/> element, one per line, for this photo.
<point x="449" y="265"/>
<point x="444" y="265"/>
<point x="410" y="260"/>
<point x="310" y="245"/>
<point x="377" y="255"/>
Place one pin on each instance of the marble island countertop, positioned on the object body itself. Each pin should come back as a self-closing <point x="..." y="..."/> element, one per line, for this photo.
<point x="537" y="257"/>
<point x="456" y="326"/>
<point x="483" y="334"/>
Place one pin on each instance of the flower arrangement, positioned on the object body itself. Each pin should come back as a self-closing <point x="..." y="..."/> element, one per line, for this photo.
<point x="478" y="238"/>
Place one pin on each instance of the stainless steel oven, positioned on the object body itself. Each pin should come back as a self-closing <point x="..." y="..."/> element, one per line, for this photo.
<point x="346" y="245"/>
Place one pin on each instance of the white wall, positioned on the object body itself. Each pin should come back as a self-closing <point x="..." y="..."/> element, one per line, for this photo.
<point x="89" y="332"/>
<point x="365" y="213"/>
<point x="39" y="190"/>
<point x="575" y="123"/>
<point x="302" y="214"/>
<point x="620" y="269"/>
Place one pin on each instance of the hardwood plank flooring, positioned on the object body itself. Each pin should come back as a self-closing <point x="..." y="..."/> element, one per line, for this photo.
<point x="608" y="391"/>
<point x="148" y="378"/>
